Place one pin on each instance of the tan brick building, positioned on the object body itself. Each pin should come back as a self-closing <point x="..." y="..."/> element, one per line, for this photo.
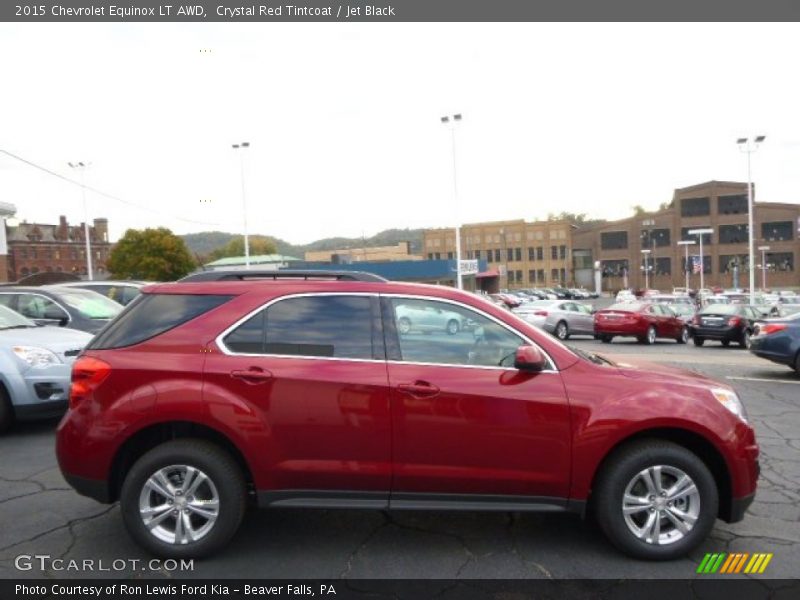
<point x="719" y="205"/>
<point x="40" y="248"/>
<point x="525" y="254"/>
<point x="402" y="251"/>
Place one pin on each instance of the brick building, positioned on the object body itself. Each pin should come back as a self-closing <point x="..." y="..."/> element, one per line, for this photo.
<point x="40" y="248"/>
<point x="401" y="251"/>
<point x="524" y="254"/>
<point x="718" y="205"/>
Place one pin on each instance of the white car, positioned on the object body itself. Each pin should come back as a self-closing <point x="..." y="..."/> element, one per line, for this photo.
<point x="412" y="317"/>
<point x="625" y="296"/>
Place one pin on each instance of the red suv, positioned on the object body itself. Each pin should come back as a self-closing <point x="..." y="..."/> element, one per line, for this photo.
<point x="204" y="397"/>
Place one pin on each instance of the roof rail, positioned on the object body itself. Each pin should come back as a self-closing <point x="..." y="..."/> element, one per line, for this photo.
<point x="249" y="274"/>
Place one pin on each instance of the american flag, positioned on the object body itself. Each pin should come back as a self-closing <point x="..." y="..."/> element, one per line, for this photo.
<point x="696" y="264"/>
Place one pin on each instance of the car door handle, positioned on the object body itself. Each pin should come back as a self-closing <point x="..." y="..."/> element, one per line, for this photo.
<point x="419" y="389"/>
<point x="253" y="375"/>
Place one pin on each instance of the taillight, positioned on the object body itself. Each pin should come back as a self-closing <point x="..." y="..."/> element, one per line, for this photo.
<point x="734" y="322"/>
<point x="540" y="313"/>
<point x="768" y="328"/>
<point x="87" y="374"/>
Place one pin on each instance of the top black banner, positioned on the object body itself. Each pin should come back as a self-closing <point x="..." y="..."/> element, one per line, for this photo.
<point x="388" y="11"/>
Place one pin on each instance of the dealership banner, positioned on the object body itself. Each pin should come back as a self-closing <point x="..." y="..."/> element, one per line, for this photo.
<point x="731" y="588"/>
<point x="398" y="10"/>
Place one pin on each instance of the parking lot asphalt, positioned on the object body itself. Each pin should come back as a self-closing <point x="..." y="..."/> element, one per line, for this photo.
<point x="41" y="515"/>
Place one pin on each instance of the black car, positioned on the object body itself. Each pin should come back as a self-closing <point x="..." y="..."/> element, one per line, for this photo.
<point x="778" y="340"/>
<point x="64" y="307"/>
<point x="725" y="323"/>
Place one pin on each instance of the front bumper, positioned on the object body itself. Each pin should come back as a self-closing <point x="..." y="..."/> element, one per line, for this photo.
<point x="40" y="392"/>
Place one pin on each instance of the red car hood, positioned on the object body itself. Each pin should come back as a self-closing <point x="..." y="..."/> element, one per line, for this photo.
<point x="646" y="370"/>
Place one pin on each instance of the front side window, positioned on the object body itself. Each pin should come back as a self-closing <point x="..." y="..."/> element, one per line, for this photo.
<point x="430" y="331"/>
<point x="313" y="326"/>
<point x="35" y="306"/>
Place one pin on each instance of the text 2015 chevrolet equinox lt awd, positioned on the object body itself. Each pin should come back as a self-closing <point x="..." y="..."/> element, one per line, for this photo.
<point x="204" y="397"/>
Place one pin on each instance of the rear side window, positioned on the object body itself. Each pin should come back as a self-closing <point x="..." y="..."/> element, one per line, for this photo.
<point x="151" y="315"/>
<point x="324" y="326"/>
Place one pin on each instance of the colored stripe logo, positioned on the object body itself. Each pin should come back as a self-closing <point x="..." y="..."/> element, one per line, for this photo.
<point x="736" y="562"/>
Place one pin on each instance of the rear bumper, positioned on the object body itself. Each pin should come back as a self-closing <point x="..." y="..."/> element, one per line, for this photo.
<point x="739" y="506"/>
<point x="726" y="334"/>
<point x="40" y="410"/>
<point x="93" y="488"/>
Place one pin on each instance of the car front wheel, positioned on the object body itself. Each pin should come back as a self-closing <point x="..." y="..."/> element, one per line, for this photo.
<point x="684" y="336"/>
<point x="562" y="330"/>
<point x="6" y="411"/>
<point x="745" y="341"/>
<point x="183" y="499"/>
<point x="698" y="341"/>
<point x="656" y="500"/>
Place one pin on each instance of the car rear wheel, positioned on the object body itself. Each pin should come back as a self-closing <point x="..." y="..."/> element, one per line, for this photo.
<point x="184" y="498"/>
<point x="606" y="339"/>
<point x="452" y="327"/>
<point x="698" y="341"/>
<point x="403" y="325"/>
<point x="6" y="411"/>
<point x="726" y="343"/>
<point x="684" y="336"/>
<point x="656" y="500"/>
<point x="797" y="363"/>
<point x="649" y="337"/>
<point x="562" y="330"/>
<point x="745" y="341"/>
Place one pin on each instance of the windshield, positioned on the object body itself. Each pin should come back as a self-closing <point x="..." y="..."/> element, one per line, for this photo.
<point x="90" y="304"/>
<point x="627" y="307"/>
<point x="720" y="309"/>
<point x="13" y="320"/>
<point x="682" y="309"/>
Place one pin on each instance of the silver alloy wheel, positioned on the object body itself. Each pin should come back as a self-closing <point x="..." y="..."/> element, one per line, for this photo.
<point x="684" y="335"/>
<point x="403" y="325"/>
<point x="561" y="330"/>
<point x="746" y="336"/>
<point x="651" y="335"/>
<point x="661" y="505"/>
<point x="179" y="504"/>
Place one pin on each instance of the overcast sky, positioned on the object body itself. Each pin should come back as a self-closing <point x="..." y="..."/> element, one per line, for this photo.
<point x="344" y="120"/>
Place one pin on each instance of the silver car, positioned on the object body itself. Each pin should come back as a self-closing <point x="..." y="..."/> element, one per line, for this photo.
<point x="417" y="317"/>
<point x="35" y="368"/>
<point x="562" y="318"/>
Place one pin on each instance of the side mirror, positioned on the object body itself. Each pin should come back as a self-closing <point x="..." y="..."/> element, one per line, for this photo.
<point x="529" y="358"/>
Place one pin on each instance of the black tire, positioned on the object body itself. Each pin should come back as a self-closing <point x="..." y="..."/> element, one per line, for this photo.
<point x="562" y="330"/>
<point x="725" y="343"/>
<point x="745" y="341"/>
<point x="698" y="341"/>
<point x="453" y="327"/>
<point x="219" y="467"/>
<point x="684" y="336"/>
<point x="649" y="337"/>
<point x="622" y="468"/>
<point x="7" y="417"/>
<point x="797" y="363"/>
<point x="606" y="339"/>
<point x="403" y="325"/>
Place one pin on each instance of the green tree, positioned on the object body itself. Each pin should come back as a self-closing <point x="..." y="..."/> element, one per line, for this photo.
<point x="638" y="210"/>
<point x="150" y="254"/>
<point x="258" y="245"/>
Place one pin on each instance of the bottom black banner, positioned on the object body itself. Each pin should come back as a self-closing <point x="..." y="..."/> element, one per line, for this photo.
<point x="400" y="589"/>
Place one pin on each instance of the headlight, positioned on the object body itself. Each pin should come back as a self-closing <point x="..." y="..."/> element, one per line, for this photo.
<point x="731" y="401"/>
<point x="36" y="357"/>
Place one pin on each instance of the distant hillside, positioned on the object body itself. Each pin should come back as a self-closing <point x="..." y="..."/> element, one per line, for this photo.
<point x="207" y="241"/>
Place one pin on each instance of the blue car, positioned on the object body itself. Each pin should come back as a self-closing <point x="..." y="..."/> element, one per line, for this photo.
<point x="778" y="340"/>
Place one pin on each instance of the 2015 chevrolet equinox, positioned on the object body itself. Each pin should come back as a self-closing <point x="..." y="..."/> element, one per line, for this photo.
<point x="204" y="396"/>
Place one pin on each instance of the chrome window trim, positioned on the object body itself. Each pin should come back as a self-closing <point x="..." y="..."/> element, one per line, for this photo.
<point x="219" y="340"/>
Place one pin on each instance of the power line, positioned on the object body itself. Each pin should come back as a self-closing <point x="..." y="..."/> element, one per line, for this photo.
<point x="102" y="193"/>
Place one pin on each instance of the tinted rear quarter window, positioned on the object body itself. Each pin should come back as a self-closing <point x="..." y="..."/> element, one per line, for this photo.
<point x="151" y="315"/>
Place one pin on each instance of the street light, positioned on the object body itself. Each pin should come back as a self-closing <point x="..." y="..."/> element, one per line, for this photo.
<point x="451" y="121"/>
<point x="242" y="146"/>
<point x="81" y="166"/>
<point x="646" y="270"/>
<point x="686" y="244"/>
<point x="763" y="250"/>
<point x="750" y="145"/>
<point x="700" y="233"/>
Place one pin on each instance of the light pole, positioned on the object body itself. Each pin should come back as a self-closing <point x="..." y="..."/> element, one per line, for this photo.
<point x="763" y="250"/>
<point x="700" y="233"/>
<point x="646" y="253"/>
<point x="686" y="244"/>
<point x="750" y="145"/>
<point x="451" y="121"/>
<point x="81" y="166"/>
<point x="242" y="146"/>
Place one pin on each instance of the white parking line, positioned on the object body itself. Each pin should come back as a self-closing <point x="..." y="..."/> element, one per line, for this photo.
<point x="765" y="380"/>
